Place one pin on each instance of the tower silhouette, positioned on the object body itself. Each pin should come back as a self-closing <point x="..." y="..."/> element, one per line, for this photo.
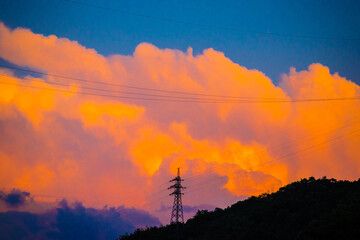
<point x="177" y="215"/>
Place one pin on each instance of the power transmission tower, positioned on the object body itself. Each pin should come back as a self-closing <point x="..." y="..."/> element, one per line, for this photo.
<point x="177" y="215"/>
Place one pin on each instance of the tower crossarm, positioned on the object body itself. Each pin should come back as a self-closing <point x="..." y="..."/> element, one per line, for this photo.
<point x="176" y="179"/>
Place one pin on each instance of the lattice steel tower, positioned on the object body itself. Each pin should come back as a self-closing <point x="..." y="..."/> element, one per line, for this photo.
<point x="177" y="215"/>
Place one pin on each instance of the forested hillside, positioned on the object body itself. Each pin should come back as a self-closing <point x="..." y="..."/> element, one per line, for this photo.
<point x="307" y="209"/>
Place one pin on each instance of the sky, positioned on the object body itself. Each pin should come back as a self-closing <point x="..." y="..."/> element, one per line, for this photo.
<point x="101" y="102"/>
<point x="111" y="32"/>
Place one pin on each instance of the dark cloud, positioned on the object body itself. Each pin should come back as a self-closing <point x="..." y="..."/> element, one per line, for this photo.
<point x="78" y="222"/>
<point x="73" y="221"/>
<point x="137" y="217"/>
<point x="15" y="198"/>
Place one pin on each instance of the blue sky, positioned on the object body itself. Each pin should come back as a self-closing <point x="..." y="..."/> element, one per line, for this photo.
<point x="111" y="32"/>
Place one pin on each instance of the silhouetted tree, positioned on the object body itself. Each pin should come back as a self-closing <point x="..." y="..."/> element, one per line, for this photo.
<point x="307" y="209"/>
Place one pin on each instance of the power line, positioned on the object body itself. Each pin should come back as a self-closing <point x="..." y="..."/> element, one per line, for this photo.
<point x="108" y="96"/>
<point x="218" y="180"/>
<point x="167" y="98"/>
<point x="194" y="177"/>
<point x="202" y="185"/>
<point x="283" y="156"/>
<point x="204" y="25"/>
<point x="131" y="93"/>
<point x="128" y="86"/>
<point x="303" y="139"/>
<point x="131" y="86"/>
<point x="199" y="187"/>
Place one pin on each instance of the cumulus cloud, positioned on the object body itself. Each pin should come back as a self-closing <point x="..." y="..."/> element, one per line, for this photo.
<point x="121" y="151"/>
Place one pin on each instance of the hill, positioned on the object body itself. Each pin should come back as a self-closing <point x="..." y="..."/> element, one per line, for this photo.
<point x="307" y="209"/>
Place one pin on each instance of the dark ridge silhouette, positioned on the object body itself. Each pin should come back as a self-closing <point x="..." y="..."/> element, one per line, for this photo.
<point x="307" y="209"/>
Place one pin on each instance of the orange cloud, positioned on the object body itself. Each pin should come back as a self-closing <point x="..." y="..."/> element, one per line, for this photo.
<point x="114" y="150"/>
